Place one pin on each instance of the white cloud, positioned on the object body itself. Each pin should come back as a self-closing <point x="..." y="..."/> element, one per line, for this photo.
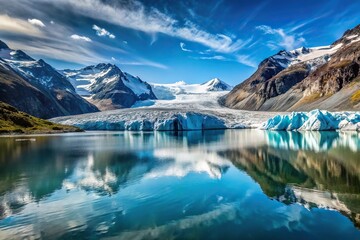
<point x="153" y="21"/>
<point x="82" y="38"/>
<point x="36" y="22"/>
<point x="287" y="41"/>
<point x="102" y="32"/>
<point x="182" y="46"/>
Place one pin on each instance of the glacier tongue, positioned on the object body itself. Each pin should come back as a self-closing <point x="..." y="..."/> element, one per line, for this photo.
<point x="316" y="120"/>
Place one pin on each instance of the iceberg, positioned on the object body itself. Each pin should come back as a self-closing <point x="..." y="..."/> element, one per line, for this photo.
<point x="316" y="120"/>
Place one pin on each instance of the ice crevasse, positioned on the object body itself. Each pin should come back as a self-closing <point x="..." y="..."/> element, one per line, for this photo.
<point x="316" y="120"/>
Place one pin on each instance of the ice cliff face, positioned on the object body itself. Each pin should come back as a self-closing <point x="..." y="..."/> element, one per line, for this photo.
<point x="168" y="121"/>
<point x="315" y="120"/>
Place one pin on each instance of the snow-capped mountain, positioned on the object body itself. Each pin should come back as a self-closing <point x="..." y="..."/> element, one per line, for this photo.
<point x="304" y="79"/>
<point x="108" y="87"/>
<point x="314" y="57"/>
<point x="216" y="85"/>
<point x="170" y="90"/>
<point x="41" y="90"/>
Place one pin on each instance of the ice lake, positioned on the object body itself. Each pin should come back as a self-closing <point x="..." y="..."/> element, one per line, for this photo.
<point x="231" y="184"/>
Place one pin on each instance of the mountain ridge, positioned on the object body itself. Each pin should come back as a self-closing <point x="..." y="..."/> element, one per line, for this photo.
<point x="303" y="79"/>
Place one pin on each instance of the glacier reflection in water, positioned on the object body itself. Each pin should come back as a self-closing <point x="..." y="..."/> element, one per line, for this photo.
<point x="127" y="185"/>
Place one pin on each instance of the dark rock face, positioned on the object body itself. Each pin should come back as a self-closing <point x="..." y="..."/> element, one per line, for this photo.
<point x="38" y="89"/>
<point x="117" y="92"/>
<point x="3" y="45"/>
<point x="270" y="80"/>
<point x="329" y="79"/>
<point x="17" y="92"/>
<point x="282" y="82"/>
<point x="304" y="86"/>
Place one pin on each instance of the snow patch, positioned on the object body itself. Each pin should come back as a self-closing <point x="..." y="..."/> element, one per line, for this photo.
<point x="135" y="84"/>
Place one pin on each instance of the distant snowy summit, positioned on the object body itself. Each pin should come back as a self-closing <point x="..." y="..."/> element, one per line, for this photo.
<point x="170" y="90"/>
<point x="216" y="85"/>
<point x="106" y="86"/>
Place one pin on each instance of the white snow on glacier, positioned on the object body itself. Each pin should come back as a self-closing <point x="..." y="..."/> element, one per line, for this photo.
<point x="316" y="120"/>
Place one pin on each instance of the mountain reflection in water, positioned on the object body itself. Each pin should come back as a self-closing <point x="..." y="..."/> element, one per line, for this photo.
<point x="101" y="184"/>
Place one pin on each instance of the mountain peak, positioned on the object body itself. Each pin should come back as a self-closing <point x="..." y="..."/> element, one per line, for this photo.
<point x="3" y="45"/>
<point x="349" y="35"/>
<point x="104" y="65"/>
<point x="216" y="84"/>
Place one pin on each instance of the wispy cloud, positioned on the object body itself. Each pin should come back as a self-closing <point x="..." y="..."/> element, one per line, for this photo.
<point x="216" y="57"/>
<point x="82" y="38"/>
<point x="102" y="32"/>
<point x="308" y="21"/>
<point x="182" y="46"/>
<point x="36" y="22"/>
<point x="252" y="15"/>
<point x="18" y="26"/>
<point x="53" y="43"/>
<point x="143" y="62"/>
<point x="285" y="39"/>
<point x="135" y="16"/>
<point x="245" y="59"/>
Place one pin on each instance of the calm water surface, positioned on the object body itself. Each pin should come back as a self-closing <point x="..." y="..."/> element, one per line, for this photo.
<point x="234" y="184"/>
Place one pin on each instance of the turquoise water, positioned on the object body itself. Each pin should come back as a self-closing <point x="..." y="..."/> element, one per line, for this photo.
<point x="233" y="184"/>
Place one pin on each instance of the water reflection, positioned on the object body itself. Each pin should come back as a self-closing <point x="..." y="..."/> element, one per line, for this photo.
<point x="102" y="183"/>
<point x="290" y="169"/>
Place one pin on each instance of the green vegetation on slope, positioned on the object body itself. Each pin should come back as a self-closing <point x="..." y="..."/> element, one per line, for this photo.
<point x="14" y="121"/>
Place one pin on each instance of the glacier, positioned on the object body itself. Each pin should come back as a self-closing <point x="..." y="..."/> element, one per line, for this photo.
<point x="316" y="120"/>
<point x="148" y="121"/>
<point x="189" y="107"/>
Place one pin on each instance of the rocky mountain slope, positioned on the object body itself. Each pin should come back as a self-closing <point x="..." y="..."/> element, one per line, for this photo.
<point x="33" y="86"/>
<point x="108" y="87"/>
<point x="14" y="121"/>
<point x="303" y="79"/>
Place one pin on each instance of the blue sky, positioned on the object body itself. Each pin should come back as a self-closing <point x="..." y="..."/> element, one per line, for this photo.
<point x="168" y="41"/>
